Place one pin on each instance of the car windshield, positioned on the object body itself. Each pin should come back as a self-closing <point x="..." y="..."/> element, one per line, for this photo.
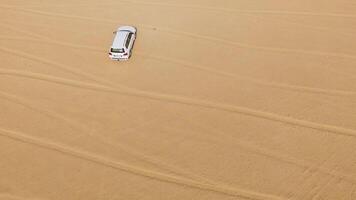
<point x="117" y="50"/>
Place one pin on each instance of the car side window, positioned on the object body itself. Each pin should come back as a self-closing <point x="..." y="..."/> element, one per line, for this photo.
<point x="128" y="40"/>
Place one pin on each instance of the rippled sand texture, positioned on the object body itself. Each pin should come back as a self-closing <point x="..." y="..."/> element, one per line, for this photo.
<point x="229" y="99"/>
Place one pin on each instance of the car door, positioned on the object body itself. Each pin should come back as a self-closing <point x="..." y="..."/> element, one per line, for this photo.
<point x="130" y="39"/>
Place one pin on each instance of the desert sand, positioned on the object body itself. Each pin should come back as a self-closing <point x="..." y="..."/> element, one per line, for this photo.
<point x="230" y="99"/>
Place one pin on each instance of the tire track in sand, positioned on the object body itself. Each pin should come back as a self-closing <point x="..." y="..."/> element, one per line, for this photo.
<point x="75" y="126"/>
<point x="234" y="11"/>
<point x="318" y="28"/>
<point x="258" y="150"/>
<point x="223" y="41"/>
<point x="192" y="102"/>
<point x="241" y="11"/>
<point x="255" y="81"/>
<point x="82" y="131"/>
<point x="54" y="42"/>
<point x="93" y="158"/>
<point x="200" y="36"/>
<point x="287" y="87"/>
<point x="126" y="91"/>
<point x="138" y="155"/>
<point x="103" y="88"/>
<point x="214" y="136"/>
<point x="204" y="8"/>
<point x="5" y="196"/>
<point x="29" y="33"/>
<point x="57" y="65"/>
<point x="260" y="48"/>
<point x="16" y="100"/>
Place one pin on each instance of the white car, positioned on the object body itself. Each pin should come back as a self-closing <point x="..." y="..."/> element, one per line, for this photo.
<point x="121" y="48"/>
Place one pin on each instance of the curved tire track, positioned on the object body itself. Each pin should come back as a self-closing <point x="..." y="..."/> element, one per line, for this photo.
<point x="244" y="12"/>
<point x="199" y="103"/>
<point x="14" y="197"/>
<point x="231" y="10"/>
<point x="204" y="37"/>
<point x="56" y="64"/>
<point x="14" y="99"/>
<point x="95" y="87"/>
<point x="202" y="68"/>
<point x="240" y="11"/>
<point x="256" y="81"/>
<point x="272" y="154"/>
<point x="225" y="190"/>
<point x="84" y="132"/>
<point x="209" y="8"/>
<point x="192" y="102"/>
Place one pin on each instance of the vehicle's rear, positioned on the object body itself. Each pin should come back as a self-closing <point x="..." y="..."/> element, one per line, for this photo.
<point x="118" y="54"/>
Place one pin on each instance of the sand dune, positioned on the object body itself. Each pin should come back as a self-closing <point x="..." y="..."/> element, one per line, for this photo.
<point x="229" y="99"/>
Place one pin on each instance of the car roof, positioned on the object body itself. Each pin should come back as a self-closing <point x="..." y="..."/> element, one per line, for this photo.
<point x="120" y="38"/>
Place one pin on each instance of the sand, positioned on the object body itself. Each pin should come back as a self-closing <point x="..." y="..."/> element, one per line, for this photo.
<point x="231" y="99"/>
